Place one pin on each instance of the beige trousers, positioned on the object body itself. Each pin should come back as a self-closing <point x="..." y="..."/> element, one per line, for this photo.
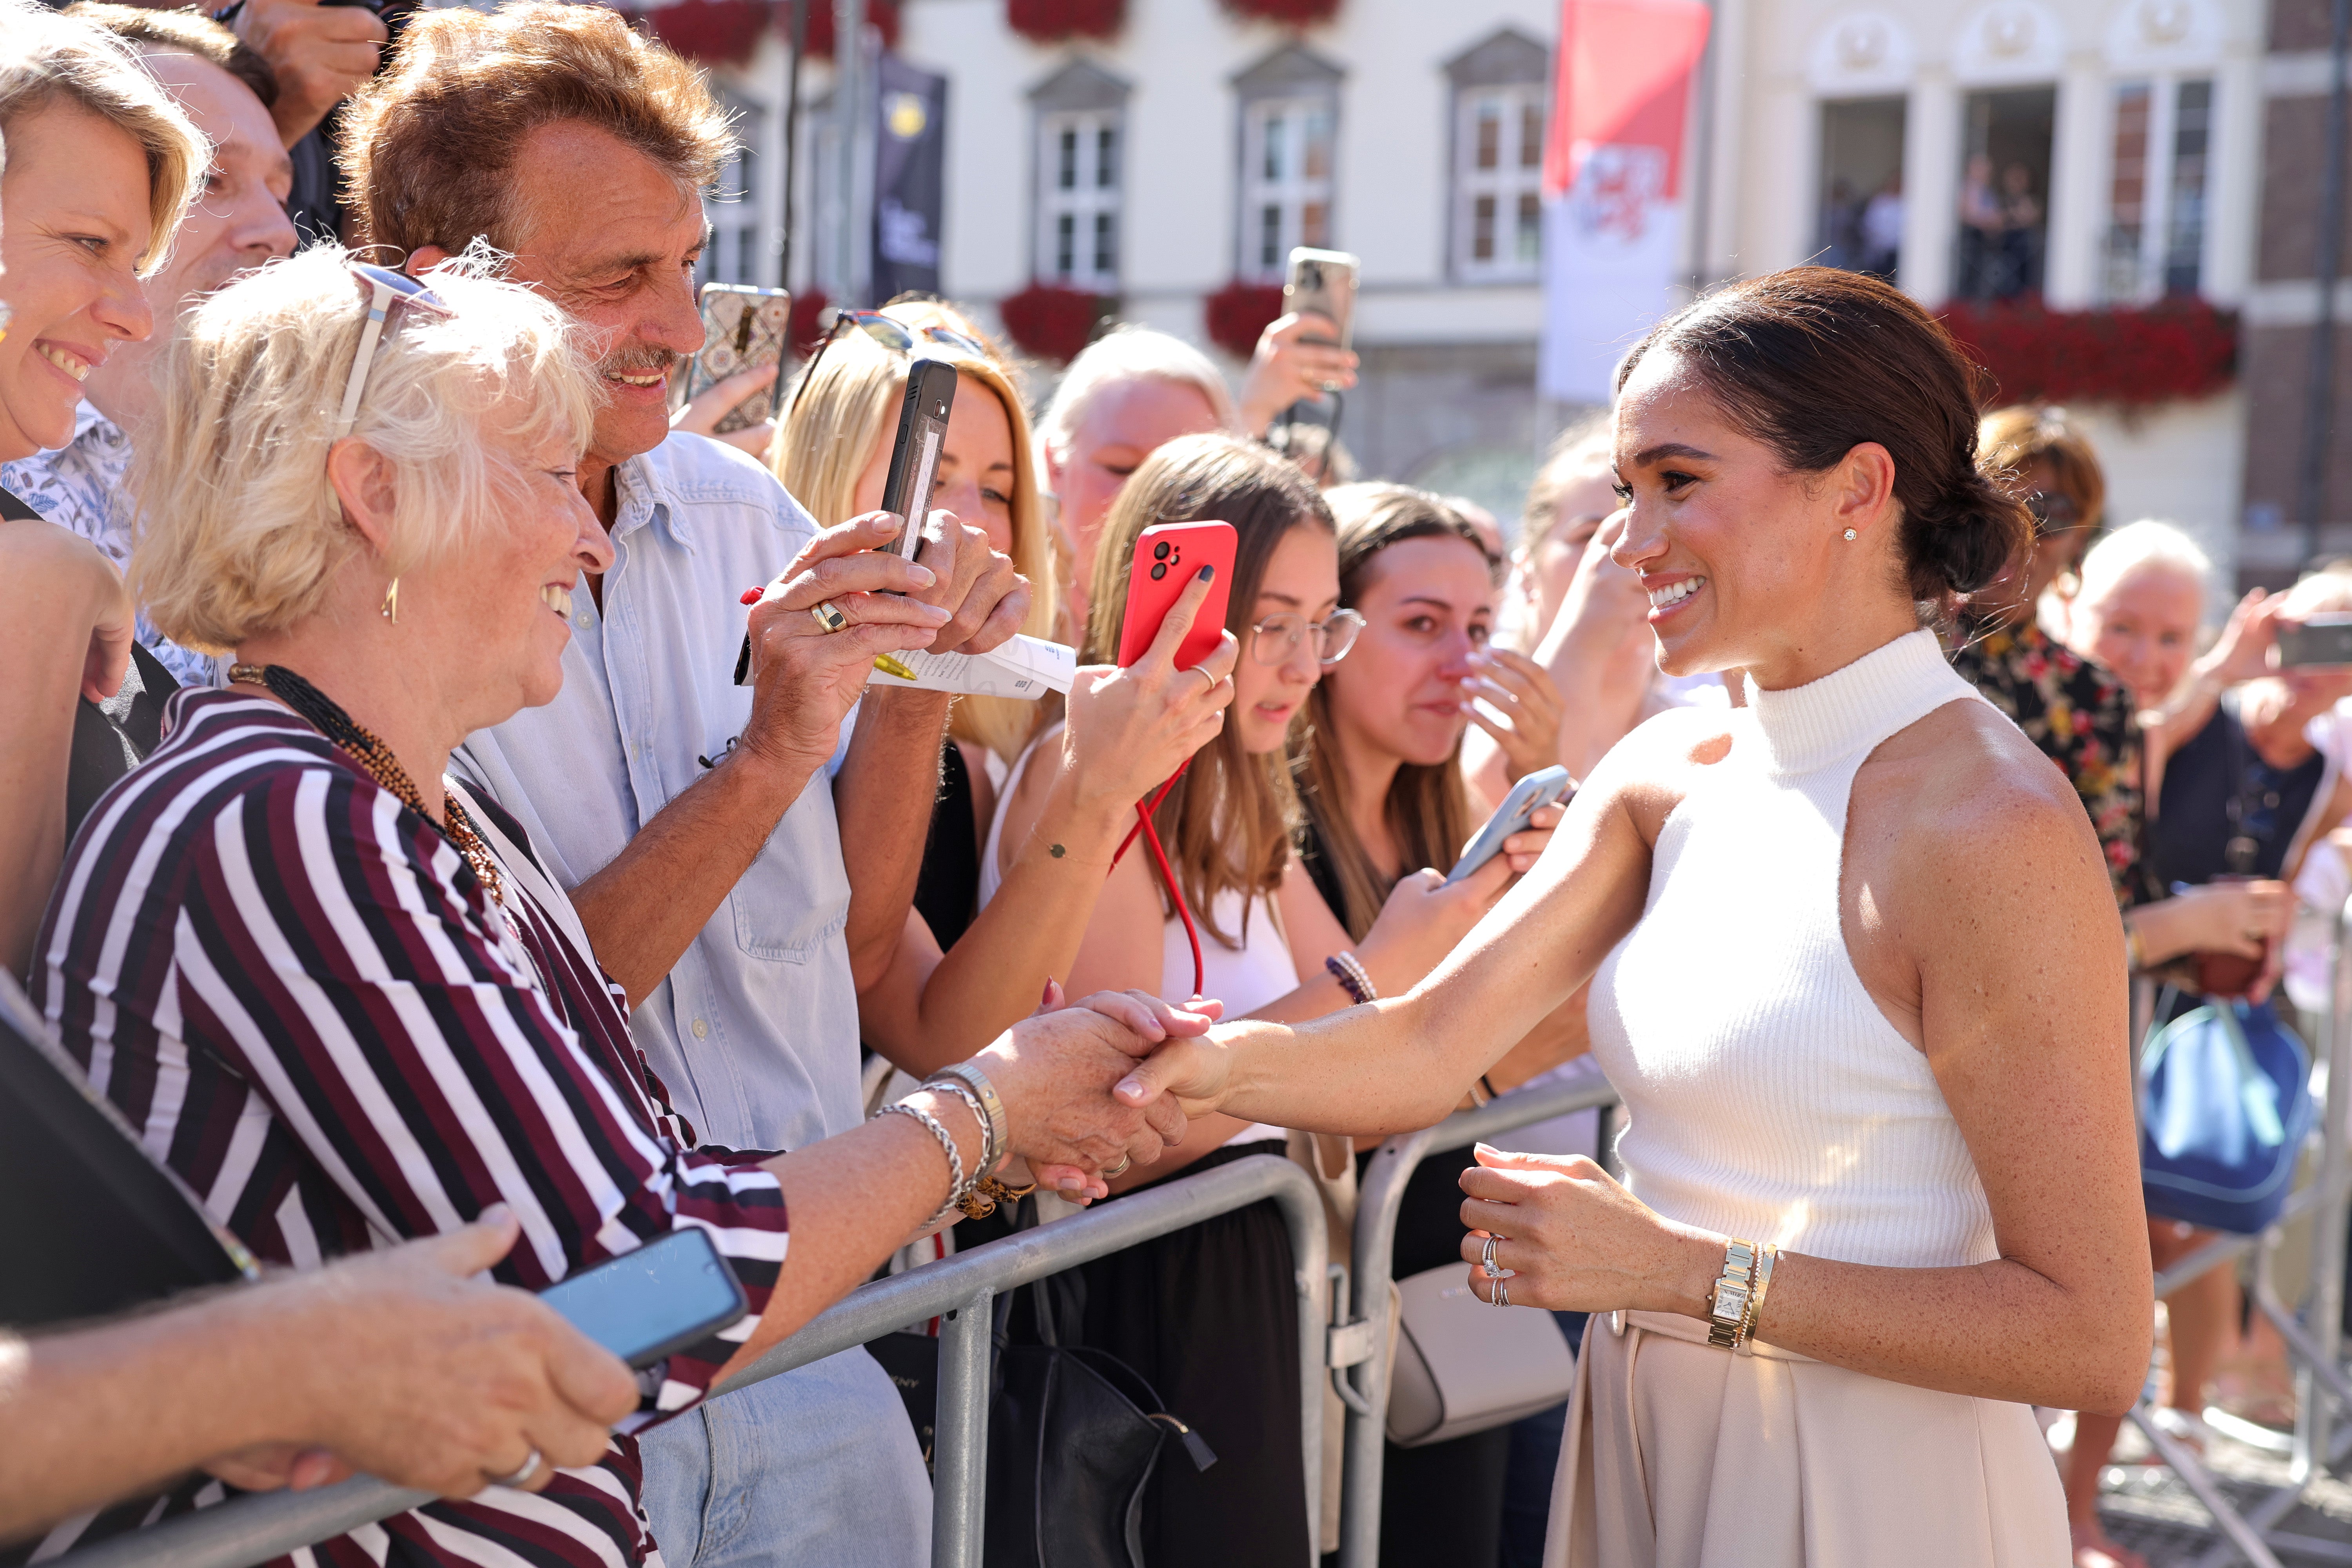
<point x="1678" y="1455"/>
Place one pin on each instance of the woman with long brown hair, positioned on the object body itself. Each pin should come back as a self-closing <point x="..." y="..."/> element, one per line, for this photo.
<point x="1881" y="1140"/>
<point x="1205" y="1314"/>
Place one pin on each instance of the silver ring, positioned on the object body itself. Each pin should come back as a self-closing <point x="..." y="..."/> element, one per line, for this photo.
<point x="1486" y="1258"/>
<point x="1502" y="1292"/>
<point x="1202" y="671"/>
<point x="828" y="615"/>
<point x="528" y="1469"/>
<point x="1119" y="1168"/>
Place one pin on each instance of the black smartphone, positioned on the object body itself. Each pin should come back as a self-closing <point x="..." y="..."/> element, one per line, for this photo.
<point x="915" y="460"/>
<point x="2323" y="638"/>
<point x="654" y="1301"/>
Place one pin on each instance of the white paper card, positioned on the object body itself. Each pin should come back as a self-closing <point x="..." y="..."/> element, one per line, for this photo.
<point x="1025" y="666"/>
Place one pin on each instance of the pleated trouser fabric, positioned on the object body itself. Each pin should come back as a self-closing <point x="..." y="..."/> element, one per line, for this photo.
<point x="1678" y="1455"/>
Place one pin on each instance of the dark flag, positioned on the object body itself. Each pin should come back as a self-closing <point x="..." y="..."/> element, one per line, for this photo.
<point x="910" y="178"/>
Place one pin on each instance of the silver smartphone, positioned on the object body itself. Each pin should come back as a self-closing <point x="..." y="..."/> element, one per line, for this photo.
<point x="1528" y="796"/>
<point x="654" y="1301"/>
<point x="1323" y="281"/>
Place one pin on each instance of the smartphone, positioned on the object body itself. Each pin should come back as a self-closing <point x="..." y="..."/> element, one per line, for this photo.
<point x="1323" y="281"/>
<point x="915" y="460"/>
<point x="1528" y="796"/>
<point x="742" y="328"/>
<point x="654" y="1301"/>
<point x="1167" y="557"/>
<point x="2323" y="638"/>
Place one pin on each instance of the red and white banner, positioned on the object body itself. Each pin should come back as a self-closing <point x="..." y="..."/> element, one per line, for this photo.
<point x="1612" y="183"/>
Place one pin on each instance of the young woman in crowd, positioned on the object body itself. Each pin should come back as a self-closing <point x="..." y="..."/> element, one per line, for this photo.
<point x="100" y="164"/>
<point x="1380" y="786"/>
<point x="2076" y="712"/>
<point x="342" y="993"/>
<point x="2137" y="612"/>
<point x="959" y="978"/>
<point x="1205" y="1314"/>
<point x="1826" y="1163"/>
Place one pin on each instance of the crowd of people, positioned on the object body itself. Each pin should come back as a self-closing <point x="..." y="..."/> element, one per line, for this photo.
<point x="463" y="842"/>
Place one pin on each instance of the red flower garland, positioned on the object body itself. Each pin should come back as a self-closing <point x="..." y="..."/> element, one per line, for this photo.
<point x="2174" y="350"/>
<point x="1238" y="312"/>
<point x="1290" y="12"/>
<point x="1051" y="21"/>
<point x="1054" y="322"/>
<point x="712" y="32"/>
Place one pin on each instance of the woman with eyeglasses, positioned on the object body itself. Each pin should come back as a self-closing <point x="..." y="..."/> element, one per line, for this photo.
<point x="340" y="992"/>
<point x="1206" y="1315"/>
<point x="960" y="975"/>
<point x="2078" y="713"/>
<point x="100" y="164"/>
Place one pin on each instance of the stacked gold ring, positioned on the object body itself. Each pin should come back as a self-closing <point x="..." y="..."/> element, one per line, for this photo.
<point x="828" y="615"/>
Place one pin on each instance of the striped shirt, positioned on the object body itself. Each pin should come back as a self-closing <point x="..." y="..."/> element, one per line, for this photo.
<point x="300" y="994"/>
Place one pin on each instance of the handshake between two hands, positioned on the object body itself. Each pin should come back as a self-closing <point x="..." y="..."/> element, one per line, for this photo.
<point x="1112" y="1080"/>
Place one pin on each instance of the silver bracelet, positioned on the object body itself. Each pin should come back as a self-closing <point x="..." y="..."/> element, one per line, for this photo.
<point x="991" y="1110"/>
<point x="947" y="1142"/>
<point x="941" y="1084"/>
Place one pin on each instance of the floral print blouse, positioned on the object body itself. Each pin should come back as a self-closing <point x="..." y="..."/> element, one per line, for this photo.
<point x="2083" y="719"/>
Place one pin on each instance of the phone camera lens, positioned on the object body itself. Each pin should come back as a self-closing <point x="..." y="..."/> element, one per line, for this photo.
<point x="1160" y="551"/>
<point x="1159" y="569"/>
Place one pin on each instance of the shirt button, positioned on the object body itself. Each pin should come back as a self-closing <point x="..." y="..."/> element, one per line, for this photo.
<point x="584" y="618"/>
<point x="701" y="1029"/>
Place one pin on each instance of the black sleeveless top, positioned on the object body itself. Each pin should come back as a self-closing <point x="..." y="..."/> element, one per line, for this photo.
<point x="113" y="737"/>
<point x="946" y="890"/>
<point x="2217" y="790"/>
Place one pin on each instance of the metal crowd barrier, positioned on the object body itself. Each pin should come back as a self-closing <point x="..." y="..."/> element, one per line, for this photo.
<point x="1360" y="1342"/>
<point x="959" y="1290"/>
<point x="2315" y="1344"/>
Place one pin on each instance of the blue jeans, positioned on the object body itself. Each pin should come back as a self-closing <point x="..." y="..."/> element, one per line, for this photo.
<point x="817" y="1466"/>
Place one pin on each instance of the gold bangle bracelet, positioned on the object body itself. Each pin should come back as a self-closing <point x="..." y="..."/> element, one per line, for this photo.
<point x="1768" y="1255"/>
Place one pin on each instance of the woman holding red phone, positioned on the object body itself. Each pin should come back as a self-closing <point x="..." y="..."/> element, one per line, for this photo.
<point x="1205" y="1314"/>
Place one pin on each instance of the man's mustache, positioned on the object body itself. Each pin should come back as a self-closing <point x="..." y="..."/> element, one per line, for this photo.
<point x="637" y="361"/>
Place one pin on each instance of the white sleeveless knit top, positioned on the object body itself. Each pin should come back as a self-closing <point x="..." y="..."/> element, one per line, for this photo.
<point x="1768" y="1097"/>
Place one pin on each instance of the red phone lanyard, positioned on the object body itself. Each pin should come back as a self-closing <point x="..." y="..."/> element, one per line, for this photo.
<point x="1143" y="824"/>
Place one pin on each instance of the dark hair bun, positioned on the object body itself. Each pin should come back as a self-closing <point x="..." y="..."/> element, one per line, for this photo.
<point x="1814" y="361"/>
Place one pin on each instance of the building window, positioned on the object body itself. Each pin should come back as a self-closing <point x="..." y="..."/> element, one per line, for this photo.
<point x="1498" y="183"/>
<point x="1859" y="223"/>
<point x="1495" y="205"/>
<point x="2004" y="207"/>
<point x="1078" y="203"/>
<point x="1286" y="184"/>
<point x="2156" y="188"/>
<point x="738" y="251"/>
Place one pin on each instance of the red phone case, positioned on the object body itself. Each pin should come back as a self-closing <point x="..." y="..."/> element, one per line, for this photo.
<point x="1166" y="558"/>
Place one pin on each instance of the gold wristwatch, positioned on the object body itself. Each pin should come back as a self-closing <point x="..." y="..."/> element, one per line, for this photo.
<point x="1727" y="1307"/>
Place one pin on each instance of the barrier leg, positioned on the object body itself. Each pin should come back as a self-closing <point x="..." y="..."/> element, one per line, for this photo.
<point x="960" y="1458"/>
<point x="2326" y="1323"/>
<point x="2192" y="1474"/>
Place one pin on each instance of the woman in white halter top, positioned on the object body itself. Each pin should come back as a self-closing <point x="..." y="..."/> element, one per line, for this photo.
<point x="1834" y="1032"/>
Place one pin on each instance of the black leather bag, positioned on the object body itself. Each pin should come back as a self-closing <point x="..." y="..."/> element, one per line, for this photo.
<point x="1073" y="1437"/>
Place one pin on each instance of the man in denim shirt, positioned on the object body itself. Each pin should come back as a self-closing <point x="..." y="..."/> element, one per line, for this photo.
<point x="731" y="887"/>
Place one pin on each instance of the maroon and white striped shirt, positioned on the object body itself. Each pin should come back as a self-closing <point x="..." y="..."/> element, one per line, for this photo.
<point x="303" y="997"/>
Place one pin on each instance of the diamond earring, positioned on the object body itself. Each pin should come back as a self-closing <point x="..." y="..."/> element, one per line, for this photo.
<point x="1849" y="536"/>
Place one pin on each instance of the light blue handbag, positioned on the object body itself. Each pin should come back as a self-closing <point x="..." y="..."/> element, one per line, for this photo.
<point x="2225" y="1104"/>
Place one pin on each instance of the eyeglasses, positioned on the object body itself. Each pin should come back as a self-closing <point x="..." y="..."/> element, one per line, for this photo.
<point x="1274" y="639"/>
<point x="891" y="333"/>
<point x="2053" y="513"/>
<point x="388" y="289"/>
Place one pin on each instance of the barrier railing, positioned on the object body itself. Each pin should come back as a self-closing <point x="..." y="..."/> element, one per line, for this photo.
<point x="2314" y="1344"/>
<point x="1356" y="1344"/>
<point x="958" y="1290"/>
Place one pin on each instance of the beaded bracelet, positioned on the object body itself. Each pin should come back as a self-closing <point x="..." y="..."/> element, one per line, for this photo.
<point x="957" y="1192"/>
<point x="1353" y="977"/>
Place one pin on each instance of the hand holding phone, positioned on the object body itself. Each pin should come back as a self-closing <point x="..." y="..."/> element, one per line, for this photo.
<point x="744" y="329"/>
<point x="2322" y="638"/>
<point x="1167" y="557"/>
<point x="1529" y="796"/>
<point x="915" y="454"/>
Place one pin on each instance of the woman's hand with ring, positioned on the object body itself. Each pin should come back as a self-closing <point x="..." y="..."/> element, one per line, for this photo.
<point x="1131" y="729"/>
<point x="1569" y="1238"/>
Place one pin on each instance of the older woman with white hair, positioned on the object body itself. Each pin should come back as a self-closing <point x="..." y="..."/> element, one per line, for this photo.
<point x="2239" y="792"/>
<point x="100" y="164"/>
<point x="338" y="992"/>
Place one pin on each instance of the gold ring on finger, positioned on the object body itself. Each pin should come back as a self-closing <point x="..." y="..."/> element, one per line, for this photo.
<point x="828" y="615"/>
<point x="1119" y="1168"/>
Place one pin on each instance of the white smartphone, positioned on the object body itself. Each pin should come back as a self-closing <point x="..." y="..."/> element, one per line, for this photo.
<point x="1528" y="796"/>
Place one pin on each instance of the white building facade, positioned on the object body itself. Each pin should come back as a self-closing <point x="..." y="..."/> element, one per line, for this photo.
<point x="1196" y="147"/>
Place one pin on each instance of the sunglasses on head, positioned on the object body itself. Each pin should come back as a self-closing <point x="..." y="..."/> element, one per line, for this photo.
<point x="2053" y="513"/>
<point x="888" y="330"/>
<point x="387" y="289"/>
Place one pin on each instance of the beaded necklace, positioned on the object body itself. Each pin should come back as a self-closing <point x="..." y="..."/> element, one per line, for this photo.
<point x="365" y="748"/>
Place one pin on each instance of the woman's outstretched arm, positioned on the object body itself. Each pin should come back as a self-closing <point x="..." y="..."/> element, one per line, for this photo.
<point x="1405" y="1062"/>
